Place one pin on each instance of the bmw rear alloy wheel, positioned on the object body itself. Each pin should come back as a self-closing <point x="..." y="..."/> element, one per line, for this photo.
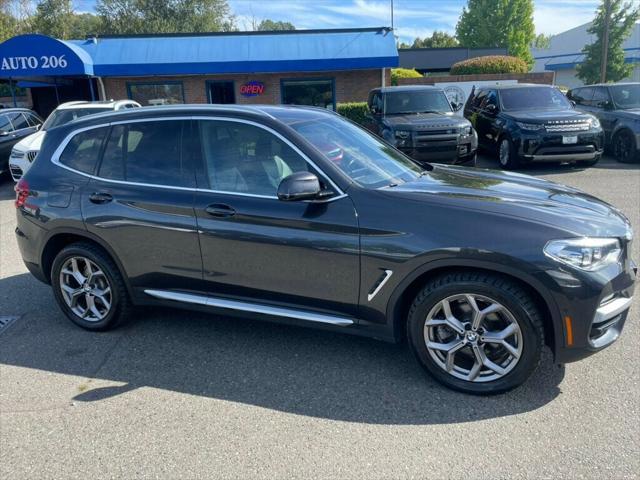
<point x="85" y="289"/>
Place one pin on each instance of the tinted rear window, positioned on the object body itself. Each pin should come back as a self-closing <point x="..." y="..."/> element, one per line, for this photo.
<point x="82" y="152"/>
<point x="147" y="152"/>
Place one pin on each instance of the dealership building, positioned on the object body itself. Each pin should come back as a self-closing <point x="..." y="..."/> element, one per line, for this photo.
<point x="304" y="67"/>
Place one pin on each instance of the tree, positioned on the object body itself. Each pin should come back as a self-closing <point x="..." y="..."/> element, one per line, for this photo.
<point x="54" y="18"/>
<point x="7" y="21"/>
<point x="541" y="41"/>
<point x="164" y="16"/>
<point x="621" y="22"/>
<point x="498" y="23"/>
<point x="436" y="40"/>
<point x="270" y="25"/>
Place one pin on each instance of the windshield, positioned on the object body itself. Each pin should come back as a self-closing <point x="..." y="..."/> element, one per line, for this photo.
<point x="423" y="101"/>
<point x="626" y="96"/>
<point x="534" y="98"/>
<point x="361" y="156"/>
<point x="60" y="117"/>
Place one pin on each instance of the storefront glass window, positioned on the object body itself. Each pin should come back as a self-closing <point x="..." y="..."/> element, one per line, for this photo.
<point x="156" y="93"/>
<point x="317" y="93"/>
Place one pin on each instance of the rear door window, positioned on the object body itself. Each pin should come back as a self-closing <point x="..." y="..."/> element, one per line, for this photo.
<point x="148" y="152"/>
<point x="19" y="121"/>
<point x="83" y="150"/>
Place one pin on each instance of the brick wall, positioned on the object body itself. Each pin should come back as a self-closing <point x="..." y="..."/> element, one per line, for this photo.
<point x="532" y="77"/>
<point x="350" y="86"/>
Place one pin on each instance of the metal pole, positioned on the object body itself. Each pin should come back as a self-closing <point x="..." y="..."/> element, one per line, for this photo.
<point x="93" y="95"/>
<point x="55" y="86"/>
<point x="605" y="41"/>
<point x="392" y="14"/>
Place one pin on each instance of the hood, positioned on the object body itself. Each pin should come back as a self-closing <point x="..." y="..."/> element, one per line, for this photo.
<point x="523" y="196"/>
<point x="546" y="115"/>
<point x="425" y="121"/>
<point x="31" y="143"/>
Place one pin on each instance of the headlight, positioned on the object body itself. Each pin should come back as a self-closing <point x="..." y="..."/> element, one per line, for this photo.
<point x="403" y="134"/>
<point x="530" y="126"/>
<point x="587" y="253"/>
<point x="594" y="122"/>
<point x="17" y="154"/>
<point x="466" y="130"/>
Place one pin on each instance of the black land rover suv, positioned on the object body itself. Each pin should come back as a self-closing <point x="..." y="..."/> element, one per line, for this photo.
<point x="245" y="210"/>
<point x="419" y="121"/>
<point x="525" y="123"/>
<point x="617" y="106"/>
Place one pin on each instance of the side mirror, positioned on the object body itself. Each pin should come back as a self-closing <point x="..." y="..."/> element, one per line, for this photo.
<point x="492" y="109"/>
<point x="572" y="103"/>
<point x="4" y="133"/>
<point x="299" y="186"/>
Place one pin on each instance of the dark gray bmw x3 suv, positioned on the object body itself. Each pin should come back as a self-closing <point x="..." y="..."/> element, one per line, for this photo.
<point x="297" y="215"/>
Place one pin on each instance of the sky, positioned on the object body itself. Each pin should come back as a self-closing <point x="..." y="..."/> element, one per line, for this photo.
<point x="412" y="18"/>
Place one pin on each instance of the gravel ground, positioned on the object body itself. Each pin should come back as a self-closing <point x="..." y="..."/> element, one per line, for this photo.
<point x="182" y="395"/>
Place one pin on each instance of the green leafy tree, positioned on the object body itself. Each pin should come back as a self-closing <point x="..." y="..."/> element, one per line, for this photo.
<point x="85" y="24"/>
<point x="7" y="21"/>
<point x="436" y="40"/>
<point x="622" y="19"/>
<point x="54" y="18"/>
<point x="270" y="25"/>
<point x="498" y="23"/>
<point x="164" y="16"/>
<point x="541" y="41"/>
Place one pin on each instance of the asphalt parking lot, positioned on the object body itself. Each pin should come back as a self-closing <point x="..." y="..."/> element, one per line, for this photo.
<point x="182" y="395"/>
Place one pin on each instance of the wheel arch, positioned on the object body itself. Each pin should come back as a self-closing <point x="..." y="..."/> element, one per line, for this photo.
<point x="402" y="297"/>
<point x="60" y="238"/>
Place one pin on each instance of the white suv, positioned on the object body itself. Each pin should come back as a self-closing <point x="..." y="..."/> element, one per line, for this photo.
<point x="25" y="151"/>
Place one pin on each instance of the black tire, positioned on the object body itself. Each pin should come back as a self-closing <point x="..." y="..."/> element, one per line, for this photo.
<point x="120" y="304"/>
<point x="510" y="160"/>
<point x="624" y="147"/>
<point x="521" y="307"/>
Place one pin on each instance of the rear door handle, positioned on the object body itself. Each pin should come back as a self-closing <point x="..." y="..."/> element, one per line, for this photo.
<point x="100" y="198"/>
<point x="219" y="210"/>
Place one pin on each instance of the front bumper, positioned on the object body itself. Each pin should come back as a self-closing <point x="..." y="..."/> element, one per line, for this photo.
<point x="592" y="308"/>
<point x="549" y="147"/>
<point x="454" y="147"/>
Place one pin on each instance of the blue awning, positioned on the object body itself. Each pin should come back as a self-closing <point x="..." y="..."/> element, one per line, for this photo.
<point x="33" y="55"/>
<point x="252" y="52"/>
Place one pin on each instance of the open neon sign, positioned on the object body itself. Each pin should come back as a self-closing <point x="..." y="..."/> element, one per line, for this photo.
<point x="252" y="89"/>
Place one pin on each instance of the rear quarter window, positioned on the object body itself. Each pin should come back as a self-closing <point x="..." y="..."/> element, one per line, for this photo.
<point x="83" y="150"/>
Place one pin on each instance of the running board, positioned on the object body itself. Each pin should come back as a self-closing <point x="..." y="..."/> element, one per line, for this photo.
<point x="249" y="307"/>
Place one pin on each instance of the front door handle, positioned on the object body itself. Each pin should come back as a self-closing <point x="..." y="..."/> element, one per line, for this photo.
<point x="100" y="198"/>
<point x="220" y="210"/>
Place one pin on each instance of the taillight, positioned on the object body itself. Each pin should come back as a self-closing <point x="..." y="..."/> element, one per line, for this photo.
<point x="22" y="192"/>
